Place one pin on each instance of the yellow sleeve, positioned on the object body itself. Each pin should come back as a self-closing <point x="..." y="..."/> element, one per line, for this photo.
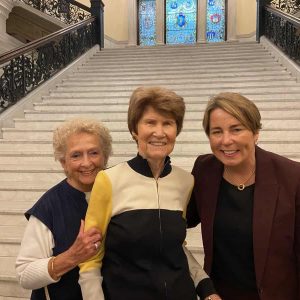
<point x="98" y="215"/>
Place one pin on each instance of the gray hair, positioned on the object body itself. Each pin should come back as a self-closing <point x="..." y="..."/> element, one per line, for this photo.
<point x="81" y="125"/>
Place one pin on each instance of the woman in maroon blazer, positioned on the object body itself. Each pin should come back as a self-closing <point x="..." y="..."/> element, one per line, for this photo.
<point x="248" y="202"/>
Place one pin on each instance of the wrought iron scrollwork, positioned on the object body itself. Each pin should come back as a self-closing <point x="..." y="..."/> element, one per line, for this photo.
<point x="64" y="10"/>
<point x="23" y="74"/>
<point x="288" y="6"/>
<point x="284" y="34"/>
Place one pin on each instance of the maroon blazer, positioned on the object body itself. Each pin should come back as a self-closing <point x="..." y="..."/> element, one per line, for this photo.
<point x="276" y="220"/>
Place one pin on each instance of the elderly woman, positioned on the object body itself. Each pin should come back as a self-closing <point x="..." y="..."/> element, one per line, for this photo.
<point x="54" y="241"/>
<point x="140" y="207"/>
<point x="248" y="202"/>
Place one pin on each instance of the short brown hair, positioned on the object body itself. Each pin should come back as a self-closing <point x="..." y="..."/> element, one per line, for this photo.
<point x="81" y="125"/>
<point x="160" y="99"/>
<point x="236" y="105"/>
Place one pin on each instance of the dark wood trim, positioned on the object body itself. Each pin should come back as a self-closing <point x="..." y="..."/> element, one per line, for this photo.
<point x="80" y="5"/>
<point x="7" y="56"/>
<point x="290" y="18"/>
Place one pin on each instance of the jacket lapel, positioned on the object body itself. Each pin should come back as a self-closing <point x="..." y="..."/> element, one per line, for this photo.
<point x="265" y="199"/>
<point x="210" y="191"/>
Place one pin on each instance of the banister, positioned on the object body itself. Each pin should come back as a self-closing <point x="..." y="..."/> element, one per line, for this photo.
<point x="80" y="5"/>
<point x="7" y="56"/>
<point x="288" y="17"/>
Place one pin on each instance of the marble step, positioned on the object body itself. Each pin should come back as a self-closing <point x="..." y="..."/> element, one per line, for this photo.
<point x="9" y="286"/>
<point x="94" y="87"/>
<point x="189" y="99"/>
<point x="205" y="56"/>
<point x="11" y="234"/>
<point x="115" y="125"/>
<point x="220" y="65"/>
<point x="33" y="179"/>
<point x="81" y="105"/>
<point x="169" y="53"/>
<point x="10" y="249"/>
<point x="245" y="68"/>
<point x="26" y="183"/>
<point x="124" y="135"/>
<point x="184" y="76"/>
<point x="154" y="62"/>
<point x="95" y="112"/>
<point x="14" y="208"/>
<point x="9" y="196"/>
<point x="183" y="48"/>
<point x="230" y="45"/>
<point x="216" y="49"/>
<point x="66" y="105"/>
<point x="11" y="290"/>
<point x="86" y="93"/>
<point x="92" y="81"/>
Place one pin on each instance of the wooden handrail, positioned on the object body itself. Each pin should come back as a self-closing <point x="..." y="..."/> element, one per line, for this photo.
<point x="7" y="56"/>
<point x="292" y="19"/>
<point x="80" y="5"/>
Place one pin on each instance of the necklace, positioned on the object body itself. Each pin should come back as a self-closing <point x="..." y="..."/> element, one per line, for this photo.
<point x="240" y="186"/>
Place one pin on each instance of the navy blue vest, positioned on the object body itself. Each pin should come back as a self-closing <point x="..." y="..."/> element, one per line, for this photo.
<point x="61" y="209"/>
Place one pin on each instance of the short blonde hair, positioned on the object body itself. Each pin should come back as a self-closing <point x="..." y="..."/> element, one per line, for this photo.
<point x="160" y="99"/>
<point x="236" y="105"/>
<point x="81" y="125"/>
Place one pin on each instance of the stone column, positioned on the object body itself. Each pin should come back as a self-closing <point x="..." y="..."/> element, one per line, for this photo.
<point x="231" y="20"/>
<point x="160" y="22"/>
<point x="201" y="21"/>
<point x="132" y="23"/>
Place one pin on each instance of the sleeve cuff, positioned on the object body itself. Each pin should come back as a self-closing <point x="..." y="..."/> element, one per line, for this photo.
<point x="205" y="288"/>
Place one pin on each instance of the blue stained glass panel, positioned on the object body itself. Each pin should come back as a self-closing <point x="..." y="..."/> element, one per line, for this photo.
<point x="147" y="22"/>
<point x="181" y="21"/>
<point x="215" y="21"/>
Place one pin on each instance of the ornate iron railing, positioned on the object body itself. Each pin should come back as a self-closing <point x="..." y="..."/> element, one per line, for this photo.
<point x="283" y="30"/>
<point x="67" y="11"/>
<point x="25" y="68"/>
<point x="287" y="6"/>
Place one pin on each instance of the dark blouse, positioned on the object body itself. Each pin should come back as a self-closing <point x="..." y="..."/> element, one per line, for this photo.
<point x="233" y="237"/>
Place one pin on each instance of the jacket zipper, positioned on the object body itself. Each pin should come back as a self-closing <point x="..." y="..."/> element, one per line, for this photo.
<point x="160" y="227"/>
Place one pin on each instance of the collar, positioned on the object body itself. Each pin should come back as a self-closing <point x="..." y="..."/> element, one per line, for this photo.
<point x="141" y="166"/>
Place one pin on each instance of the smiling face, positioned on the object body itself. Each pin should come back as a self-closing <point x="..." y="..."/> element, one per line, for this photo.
<point x="231" y="142"/>
<point x="156" y="135"/>
<point x="83" y="160"/>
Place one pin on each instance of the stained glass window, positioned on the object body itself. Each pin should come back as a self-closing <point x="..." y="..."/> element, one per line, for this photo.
<point x="181" y="20"/>
<point x="215" y="21"/>
<point x="147" y="22"/>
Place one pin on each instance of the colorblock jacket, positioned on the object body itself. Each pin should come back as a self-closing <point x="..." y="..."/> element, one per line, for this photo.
<point x="143" y="219"/>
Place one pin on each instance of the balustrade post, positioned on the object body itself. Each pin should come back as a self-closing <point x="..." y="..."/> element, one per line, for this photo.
<point x="259" y="19"/>
<point x="97" y="8"/>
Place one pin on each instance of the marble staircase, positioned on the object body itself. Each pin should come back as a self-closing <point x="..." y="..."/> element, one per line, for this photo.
<point x="101" y="88"/>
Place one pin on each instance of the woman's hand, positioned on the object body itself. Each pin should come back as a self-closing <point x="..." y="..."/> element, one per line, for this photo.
<point x="84" y="247"/>
<point x="86" y="244"/>
<point x="213" y="297"/>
